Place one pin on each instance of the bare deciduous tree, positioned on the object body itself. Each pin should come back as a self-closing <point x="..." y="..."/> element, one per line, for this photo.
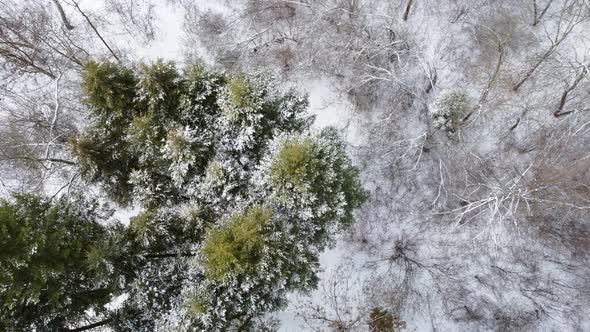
<point x="571" y="14"/>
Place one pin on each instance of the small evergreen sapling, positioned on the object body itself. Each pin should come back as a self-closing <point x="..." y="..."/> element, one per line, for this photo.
<point x="448" y="110"/>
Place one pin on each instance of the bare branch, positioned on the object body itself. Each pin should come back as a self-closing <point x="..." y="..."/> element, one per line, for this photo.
<point x="63" y="16"/>
<point x="96" y="31"/>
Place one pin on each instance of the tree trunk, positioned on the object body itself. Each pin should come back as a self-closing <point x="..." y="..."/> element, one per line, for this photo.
<point x="88" y="327"/>
<point x="534" y="68"/>
<point x="62" y="14"/>
<point x="407" y="11"/>
<point x="569" y="89"/>
<point x="170" y="255"/>
<point x="535" y="12"/>
<point x="97" y="33"/>
<point x="538" y="18"/>
<point x="57" y="160"/>
<point x="491" y="82"/>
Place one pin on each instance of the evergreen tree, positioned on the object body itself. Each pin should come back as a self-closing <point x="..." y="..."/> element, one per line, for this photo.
<point x="156" y="130"/>
<point x="449" y="109"/>
<point x="239" y="195"/>
<point x="54" y="264"/>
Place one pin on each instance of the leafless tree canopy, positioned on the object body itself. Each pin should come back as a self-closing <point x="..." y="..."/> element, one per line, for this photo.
<point x="483" y="227"/>
<point x="43" y="47"/>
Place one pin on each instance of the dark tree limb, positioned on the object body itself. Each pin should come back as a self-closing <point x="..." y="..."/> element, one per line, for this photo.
<point x="63" y="16"/>
<point x="534" y="12"/>
<point x="533" y="69"/>
<point x="560" y="36"/>
<point x="407" y="11"/>
<point x="569" y="89"/>
<point x="57" y="160"/>
<point x="88" y="327"/>
<point x="537" y="18"/>
<point x="38" y="160"/>
<point x="494" y="77"/>
<point x="96" y="31"/>
<point x="491" y="82"/>
<point x="170" y="255"/>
